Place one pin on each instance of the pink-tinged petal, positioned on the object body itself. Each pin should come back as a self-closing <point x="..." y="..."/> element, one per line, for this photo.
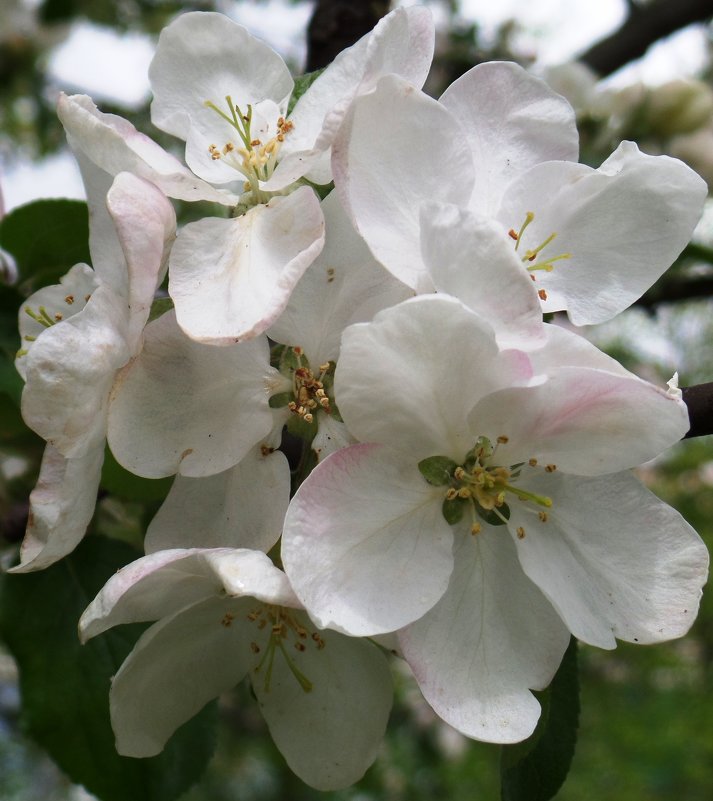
<point x="491" y="639"/>
<point x="176" y="667"/>
<point x="410" y="377"/>
<point x="114" y="145"/>
<point x="183" y="407"/>
<point x="401" y="44"/>
<point x="330" y="734"/>
<point x="365" y="545"/>
<point x="161" y="583"/>
<point x="622" y="225"/>
<point x="146" y="227"/>
<point x="243" y="507"/>
<point x="511" y="121"/>
<point x="343" y="285"/>
<point x="613" y="559"/>
<point x="230" y="279"/>
<point x="584" y="421"/>
<point x="66" y="298"/>
<point x="421" y="156"/>
<point x="61" y="507"/>
<point x="70" y="371"/>
<point x="468" y="257"/>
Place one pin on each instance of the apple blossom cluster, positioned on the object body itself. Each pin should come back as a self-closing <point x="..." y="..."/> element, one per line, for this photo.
<point x="375" y="287"/>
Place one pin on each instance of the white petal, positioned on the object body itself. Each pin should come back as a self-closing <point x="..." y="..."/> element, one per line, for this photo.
<point x="421" y="156"/>
<point x="160" y="584"/>
<point x="61" y="507"/>
<point x="243" y="507"/>
<point x="66" y="298"/>
<point x="343" y="285"/>
<point x="114" y="145"/>
<point x="613" y="559"/>
<point x="70" y="372"/>
<point x="176" y="667"/>
<point x="205" y="57"/>
<point x="491" y="638"/>
<point x="583" y="421"/>
<point x="146" y="227"/>
<point x="330" y="734"/>
<point x="400" y="44"/>
<point x="468" y="257"/>
<point x="622" y="224"/>
<point x="365" y="545"/>
<point x="184" y="407"/>
<point x="231" y="278"/>
<point x="409" y="378"/>
<point x="331" y="436"/>
<point x="512" y="121"/>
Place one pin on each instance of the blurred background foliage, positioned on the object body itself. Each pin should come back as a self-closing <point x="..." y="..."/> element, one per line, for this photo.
<point x="645" y="728"/>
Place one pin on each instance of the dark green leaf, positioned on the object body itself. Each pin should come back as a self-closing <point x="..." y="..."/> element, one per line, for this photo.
<point x="130" y="487"/>
<point x="46" y="237"/>
<point x="65" y="685"/>
<point x="453" y="510"/>
<point x="302" y="84"/>
<point x="535" y="769"/>
<point x="437" y="470"/>
<point x="159" y="307"/>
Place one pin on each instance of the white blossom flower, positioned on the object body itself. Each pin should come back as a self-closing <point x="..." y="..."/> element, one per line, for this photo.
<point x="224" y="614"/>
<point x="502" y="145"/>
<point x="489" y="512"/>
<point x="226" y="94"/>
<point x="79" y="335"/>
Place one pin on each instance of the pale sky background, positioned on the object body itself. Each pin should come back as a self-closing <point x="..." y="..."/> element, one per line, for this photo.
<point x="97" y="62"/>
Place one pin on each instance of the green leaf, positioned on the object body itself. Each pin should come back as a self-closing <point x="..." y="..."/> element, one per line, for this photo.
<point x="535" y="769"/>
<point x="437" y="470"/>
<point x="159" y="307"/>
<point x="130" y="487"/>
<point x="46" y="237"/>
<point x="65" y="685"/>
<point x="302" y="84"/>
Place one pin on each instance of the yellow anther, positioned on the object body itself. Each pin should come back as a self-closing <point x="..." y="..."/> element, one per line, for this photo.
<point x="542" y="294"/>
<point x="550" y="468"/>
<point x="69" y="300"/>
<point x="476" y="528"/>
<point x="543" y="516"/>
<point x="502" y="439"/>
<point x="532" y="462"/>
<point x="521" y="533"/>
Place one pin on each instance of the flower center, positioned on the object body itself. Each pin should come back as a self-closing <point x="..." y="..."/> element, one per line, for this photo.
<point x="249" y="154"/>
<point x="312" y="390"/>
<point x="481" y="486"/>
<point x="532" y="259"/>
<point x="283" y="630"/>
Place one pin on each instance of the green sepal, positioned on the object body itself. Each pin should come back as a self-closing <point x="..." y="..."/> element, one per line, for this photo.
<point x="535" y="769"/>
<point x="299" y="427"/>
<point x="490" y="517"/>
<point x="302" y="84"/>
<point x="159" y="307"/>
<point x="65" y="685"/>
<point x="437" y="470"/>
<point x="453" y="510"/>
<point x="280" y="400"/>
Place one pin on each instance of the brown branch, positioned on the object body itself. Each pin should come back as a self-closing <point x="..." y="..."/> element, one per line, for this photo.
<point x="337" y="24"/>
<point x="646" y="24"/>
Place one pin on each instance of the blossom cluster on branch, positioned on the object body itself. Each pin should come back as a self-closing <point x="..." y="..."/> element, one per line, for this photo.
<point x="376" y="288"/>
